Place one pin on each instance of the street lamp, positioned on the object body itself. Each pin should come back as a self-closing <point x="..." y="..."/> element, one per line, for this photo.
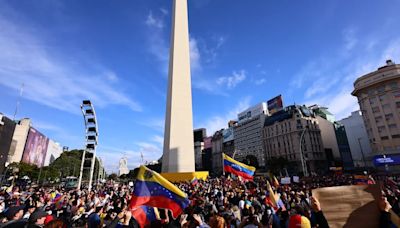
<point x="362" y="152"/>
<point x="302" y="159"/>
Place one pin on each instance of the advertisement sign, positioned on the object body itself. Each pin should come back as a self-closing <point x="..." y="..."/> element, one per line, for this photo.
<point x="253" y="111"/>
<point x="388" y="159"/>
<point x="207" y="142"/>
<point x="227" y="134"/>
<point x="275" y="104"/>
<point x="35" y="148"/>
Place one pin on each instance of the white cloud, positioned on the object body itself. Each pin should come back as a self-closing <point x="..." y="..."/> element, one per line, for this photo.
<point x="49" y="77"/>
<point x="164" y="11"/>
<point x="195" y="63"/>
<point x="260" y="81"/>
<point x="350" y="39"/>
<point x="232" y="81"/>
<point x="331" y="80"/>
<point x="217" y="122"/>
<point x="153" y="21"/>
<point x="158" y="139"/>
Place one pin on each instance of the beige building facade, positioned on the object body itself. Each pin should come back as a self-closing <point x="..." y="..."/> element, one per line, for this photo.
<point x="282" y="134"/>
<point x="19" y="139"/>
<point x="378" y="95"/>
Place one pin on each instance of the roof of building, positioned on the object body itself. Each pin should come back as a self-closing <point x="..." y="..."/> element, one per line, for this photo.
<point x="287" y="113"/>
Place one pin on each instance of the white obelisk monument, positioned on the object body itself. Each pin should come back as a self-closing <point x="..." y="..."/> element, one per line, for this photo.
<point x="178" y="154"/>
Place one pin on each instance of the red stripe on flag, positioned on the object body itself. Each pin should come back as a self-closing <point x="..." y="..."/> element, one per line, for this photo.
<point x="242" y="174"/>
<point x="157" y="201"/>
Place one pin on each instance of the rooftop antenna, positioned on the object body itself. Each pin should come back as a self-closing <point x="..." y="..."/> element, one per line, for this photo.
<point x="141" y="155"/>
<point x="18" y="101"/>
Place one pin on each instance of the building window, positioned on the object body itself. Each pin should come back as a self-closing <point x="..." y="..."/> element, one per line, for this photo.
<point x="382" y="97"/>
<point x="381" y="129"/>
<point x="398" y="104"/>
<point x="396" y="94"/>
<point x="371" y="92"/>
<point x="392" y="126"/>
<point x="396" y="136"/>
<point x="378" y="119"/>
<point x="380" y="89"/>
<point x="393" y="85"/>
<point x="384" y="137"/>
<point x="375" y="109"/>
<point x="372" y="100"/>
<point x="386" y="107"/>
<point x="389" y="117"/>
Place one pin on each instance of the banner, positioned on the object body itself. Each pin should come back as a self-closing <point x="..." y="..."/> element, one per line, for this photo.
<point x="35" y="148"/>
<point x="285" y="180"/>
<point x="275" y="104"/>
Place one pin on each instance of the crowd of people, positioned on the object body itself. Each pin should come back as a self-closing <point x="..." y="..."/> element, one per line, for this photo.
<point x="216" y="202"/>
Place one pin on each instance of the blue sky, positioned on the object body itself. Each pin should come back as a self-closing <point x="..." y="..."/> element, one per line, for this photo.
<point x="243" y="52"/>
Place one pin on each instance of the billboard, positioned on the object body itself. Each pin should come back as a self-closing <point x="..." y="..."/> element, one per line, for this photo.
<point x="388" y="159"/>
<point x="228" y="134"/>
<point x="35" y="148"/>
<point x="275" y="104"/>
<point x="253" y="111"/>
<point x="54" y="151"/>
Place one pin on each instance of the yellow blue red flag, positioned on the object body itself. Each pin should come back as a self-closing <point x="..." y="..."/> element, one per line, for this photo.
<point x="151" y="189"/>
<point x="238" y="168"/>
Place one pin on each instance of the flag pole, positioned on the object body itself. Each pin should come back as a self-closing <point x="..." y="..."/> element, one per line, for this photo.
<point x="223" y="169"/>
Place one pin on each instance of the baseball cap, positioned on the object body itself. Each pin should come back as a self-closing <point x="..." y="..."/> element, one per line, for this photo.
<point x="10" y="213"/>
<point x="298" y="221"/>
<point x="37" y="215"/>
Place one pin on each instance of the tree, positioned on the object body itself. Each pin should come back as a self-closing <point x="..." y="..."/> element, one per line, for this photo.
<point x="277" y="164"/>
<point x="113" y="176"/>
<point x="252" y="161"/>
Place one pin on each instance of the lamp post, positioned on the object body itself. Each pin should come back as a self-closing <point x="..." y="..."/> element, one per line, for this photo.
<point x="362" y="152"/>
<point x="303" y="162"/>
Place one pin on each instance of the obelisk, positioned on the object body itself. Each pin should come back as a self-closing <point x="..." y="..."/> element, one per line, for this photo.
<point x="178" y="154"/>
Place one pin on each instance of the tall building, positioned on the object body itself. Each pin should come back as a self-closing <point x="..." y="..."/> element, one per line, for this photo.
<point x="7" y="127"/>
<point x="123" y="166"/>
<point x="378" y="95"/>
<point x="19" y="140"/>
<point x="282" y="133"/>
<point x="217" y="150"/>
<point x="344" y="147"/>
<point x="325" y="121"/>
<point x="54" y="151"/>
<point x="248" y="133"/>
<point x="358" y="139"/>
<point x="334" y="139"/>
<point x="199" y="135"/>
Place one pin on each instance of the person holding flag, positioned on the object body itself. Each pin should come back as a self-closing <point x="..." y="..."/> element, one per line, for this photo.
<point x="241" y="170"/>
<point x="151" y="189"/>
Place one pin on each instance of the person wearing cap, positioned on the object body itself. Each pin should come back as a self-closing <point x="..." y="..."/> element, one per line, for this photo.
<point x="37" y="219"/>
<point x="14" y="216"/>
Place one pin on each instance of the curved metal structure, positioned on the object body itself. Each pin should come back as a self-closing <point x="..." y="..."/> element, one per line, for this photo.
<point x="91" y="140"/>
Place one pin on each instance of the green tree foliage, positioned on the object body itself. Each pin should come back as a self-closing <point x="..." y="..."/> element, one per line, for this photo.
<point x="277" y="164"/>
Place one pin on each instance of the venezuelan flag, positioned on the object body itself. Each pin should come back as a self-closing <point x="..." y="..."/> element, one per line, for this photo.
<point x="151" y="189"/>
<point x="144" y="215"/>
<point x="238" y="168"/>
